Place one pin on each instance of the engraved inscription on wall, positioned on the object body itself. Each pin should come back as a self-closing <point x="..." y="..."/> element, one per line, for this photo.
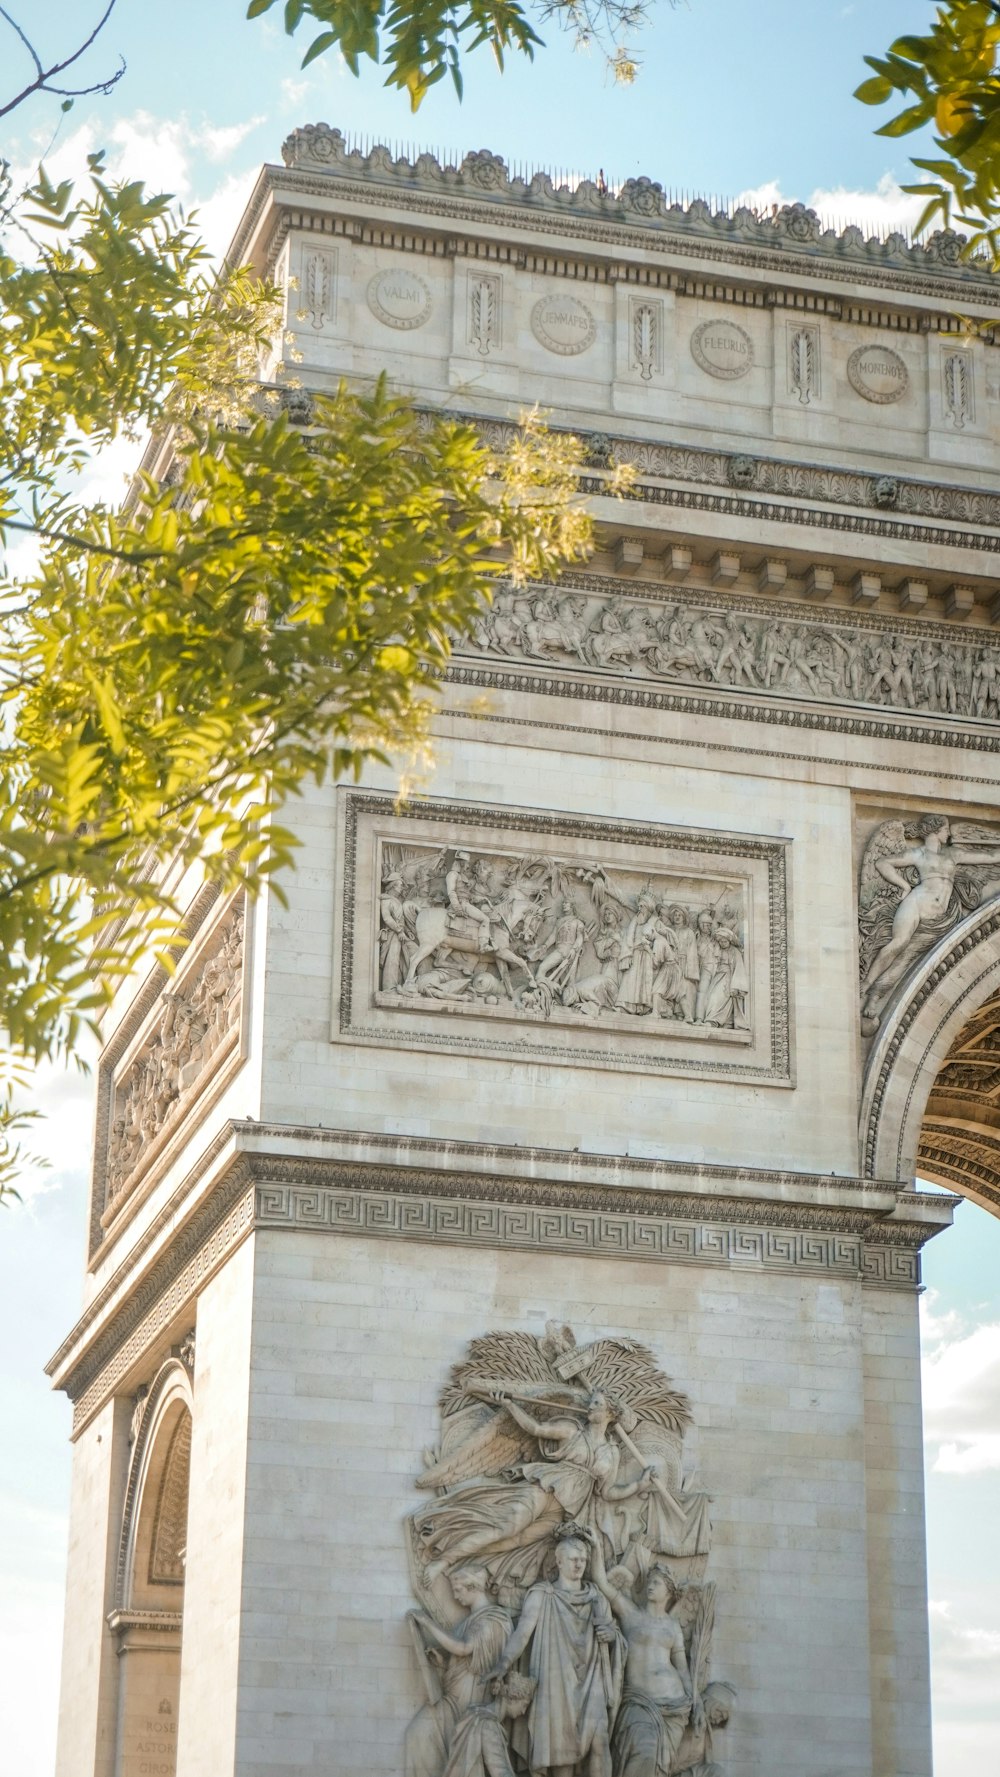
<point x="722" y="349"/>
<point x="399" y="298"/>
<point x="542" y="934"/>
<point x="563" y="324"/>
<point x="878" y="374"/>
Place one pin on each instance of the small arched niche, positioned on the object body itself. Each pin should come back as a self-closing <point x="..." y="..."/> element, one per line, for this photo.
<point x="148" y="1617"/>
<point x="931" y="1101"/>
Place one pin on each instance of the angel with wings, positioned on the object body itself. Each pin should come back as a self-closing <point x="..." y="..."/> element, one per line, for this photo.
<point x="916" y="883"/>
<point x="538" y="1432"/>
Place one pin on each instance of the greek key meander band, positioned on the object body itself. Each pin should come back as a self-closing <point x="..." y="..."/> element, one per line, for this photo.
<point x="388" y="1214"/>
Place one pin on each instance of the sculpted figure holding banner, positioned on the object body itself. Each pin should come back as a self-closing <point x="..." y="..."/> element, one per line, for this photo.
<point x="576" y="1478"/>
<point x="574" y="1656"/>
<point x="553" y="1455"/>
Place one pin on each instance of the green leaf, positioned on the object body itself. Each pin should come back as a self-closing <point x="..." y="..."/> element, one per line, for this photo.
<point x="910" y="119"/>
<point x="874" y="91"/>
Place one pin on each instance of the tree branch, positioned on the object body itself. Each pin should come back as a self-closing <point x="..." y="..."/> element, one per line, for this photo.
<point x="44" y="76"/>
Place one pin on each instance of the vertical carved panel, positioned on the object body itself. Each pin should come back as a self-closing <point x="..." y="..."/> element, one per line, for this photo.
<point x="646" y="336"/>
<point x="485" y="311"/>
<point x="319" y="286"/>
<point x="803" y="363"/>
<point x="958" y="393"/>
<point x="196" y="1029"/>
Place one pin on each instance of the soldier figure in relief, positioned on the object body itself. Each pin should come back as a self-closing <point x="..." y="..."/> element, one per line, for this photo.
<point x="460" y="885"/>
<point x="574" y="1656"/>
<point x="464" y="1655"/>
<point x="559" y="961"/>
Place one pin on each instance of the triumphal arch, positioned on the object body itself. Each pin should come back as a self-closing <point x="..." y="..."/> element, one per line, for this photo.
<point x="499" y="1349"/>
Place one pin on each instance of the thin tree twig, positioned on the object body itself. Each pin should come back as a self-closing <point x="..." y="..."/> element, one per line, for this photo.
<point x="44" y="76"/>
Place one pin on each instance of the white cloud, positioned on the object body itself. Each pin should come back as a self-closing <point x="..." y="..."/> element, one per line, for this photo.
<point x="167" y="154"/>
<point x="220" y="143"/>
<point x="961" y="1388"/>
<point x="961" y="1747"/>
<point x="959" y="1653"/>
<point x="879" y="212"/>
<point x="218" y="216"/>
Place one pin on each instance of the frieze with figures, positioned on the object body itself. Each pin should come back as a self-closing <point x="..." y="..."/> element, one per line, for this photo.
<point x="197" y="1025"/>
<point x="735" y="649"/>
<point x="565" y="1620"/>
<point x="549" y="937"/>
<point x="634" y="943"/>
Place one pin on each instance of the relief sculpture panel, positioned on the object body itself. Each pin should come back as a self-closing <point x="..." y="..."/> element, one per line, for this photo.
<point x="196" y="1028"/>
<point x="583" y="940"/>
<point x="919" y="877"/>
<point x="564" y="1620"/>
<point x="744" y="650"/>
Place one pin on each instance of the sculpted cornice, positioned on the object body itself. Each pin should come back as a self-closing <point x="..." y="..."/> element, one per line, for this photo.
<point x="634" y="216"/>
<point x="849" y="523"/>
<point x="458" y="1193"/>
<point x="836" y="486"/>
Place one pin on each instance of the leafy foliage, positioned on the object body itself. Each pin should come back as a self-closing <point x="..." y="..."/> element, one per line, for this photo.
<point x="950" y="75"/>
<point x="421" y="41"/>
<point x="277" y="608"/>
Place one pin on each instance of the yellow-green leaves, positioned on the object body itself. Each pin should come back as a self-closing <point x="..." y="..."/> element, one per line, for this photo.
<point x="950" y="76"/>
<point x="279" y="609"/>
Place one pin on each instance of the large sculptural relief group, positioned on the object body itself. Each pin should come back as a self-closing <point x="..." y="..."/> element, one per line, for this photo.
<point x="552" y="1637"/>
<point x="540" y="934"/>
<point x="739" y="650"/>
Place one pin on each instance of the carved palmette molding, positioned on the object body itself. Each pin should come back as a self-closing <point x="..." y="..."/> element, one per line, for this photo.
<point x="197" y="1025"/>
<point x="803" y="362"/>
<point x="318" y="289"/>
<point x="645" y="317"/>
<point x="485" y="312"/>
<point x="958" y="388"/>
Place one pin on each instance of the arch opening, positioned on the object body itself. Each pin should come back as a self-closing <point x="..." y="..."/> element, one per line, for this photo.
<point x="931" y="1098"/>
<point x="149" y="1613"/>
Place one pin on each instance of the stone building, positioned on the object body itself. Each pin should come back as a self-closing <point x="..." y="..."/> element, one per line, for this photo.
<point x="548" y="1161"/>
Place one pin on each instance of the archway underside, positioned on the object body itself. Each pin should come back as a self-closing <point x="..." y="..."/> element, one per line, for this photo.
<point x="960" y="1134"/>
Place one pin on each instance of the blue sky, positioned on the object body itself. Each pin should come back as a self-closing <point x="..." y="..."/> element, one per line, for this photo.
<point x="733" y="97"/>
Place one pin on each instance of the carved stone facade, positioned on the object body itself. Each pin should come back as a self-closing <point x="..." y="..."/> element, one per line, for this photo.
<point x="918" y="880"/>
<point x="746" y="648"/>
<point x="574" y="1040"/>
